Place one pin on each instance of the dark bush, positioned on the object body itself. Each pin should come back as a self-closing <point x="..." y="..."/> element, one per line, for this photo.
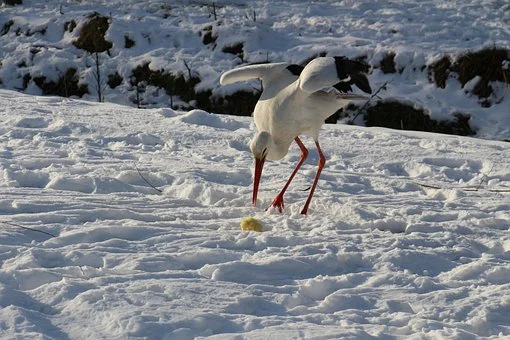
<point x="65" y="86"/>
<point x="26" y="79"/>
<point x="486" y="63"/>
<point x="69" y="26"/>
<point x="397" y="115"/>
<point x="207" y="35"/>
<point x="439" y="71"/>
<point x="387" y="64"/>
<point x="128" y="42"/>
<point x="235" y="49"/>
<point x="92" y="34"/>
<point x="114" y="80"/>
<point x="240" y="103"/>
<point x="6" y="27"/>
<point x="12" y="2"/>
<point x="176" y="85"/>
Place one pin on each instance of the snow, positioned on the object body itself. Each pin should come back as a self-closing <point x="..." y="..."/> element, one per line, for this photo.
<point x="379" y="255"/>
<point x="117" y="222"/>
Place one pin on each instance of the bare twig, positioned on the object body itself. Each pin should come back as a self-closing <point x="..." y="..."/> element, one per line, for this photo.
<point x="146" y="181"/>
<point x="187" y="68"/>
<point x="469" y="189"/>
<point x="214" y="11"/>
<point x="12" y="224"/>
<point x="382" y="87"/>
<point x="99" y="83"/>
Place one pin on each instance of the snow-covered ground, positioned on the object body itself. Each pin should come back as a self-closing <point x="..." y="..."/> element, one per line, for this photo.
<point x="379" y="255"/>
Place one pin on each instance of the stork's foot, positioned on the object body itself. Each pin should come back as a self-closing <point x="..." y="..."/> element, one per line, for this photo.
<point x="278" y="203"/>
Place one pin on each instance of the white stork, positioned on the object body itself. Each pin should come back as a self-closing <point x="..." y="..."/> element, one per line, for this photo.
<point x="296" y="101"/>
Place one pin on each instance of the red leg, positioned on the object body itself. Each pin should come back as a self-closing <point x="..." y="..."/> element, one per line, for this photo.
<point x="278" y="201"/>
<point x="322" y="162"/>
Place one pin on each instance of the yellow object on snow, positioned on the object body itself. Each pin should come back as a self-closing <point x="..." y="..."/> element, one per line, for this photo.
<point x="251" y="224"/>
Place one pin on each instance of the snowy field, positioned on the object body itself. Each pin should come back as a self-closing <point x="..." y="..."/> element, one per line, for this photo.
<point x="379" y="254"/>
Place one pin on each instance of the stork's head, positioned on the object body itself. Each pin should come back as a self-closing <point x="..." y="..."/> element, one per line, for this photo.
<point x="259" y="147"/>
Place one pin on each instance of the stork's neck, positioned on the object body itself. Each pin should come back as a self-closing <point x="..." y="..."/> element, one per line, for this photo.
<point x="277" y="151"/>
<point x="263" y="143"/>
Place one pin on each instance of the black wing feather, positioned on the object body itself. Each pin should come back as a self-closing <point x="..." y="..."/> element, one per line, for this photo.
<point x="355" y="70"/>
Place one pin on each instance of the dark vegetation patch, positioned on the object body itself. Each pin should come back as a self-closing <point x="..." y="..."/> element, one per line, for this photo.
<point x="26" y="79"/>
<point x="487" y="64"/>
<point x="30" y="32"/>
<point x="128" y="42"/>
<point x="397" y="115"/>
<point x="176" y="85"/>
<point x="348" y="111"/>
<point x="236" y="49"/>
<point x="92" y="34"/>
<point x="240" y="103"/>
<point x="6" y="27"/>
<point x="66" y="86"/>
<point x="208" y="36"/>
<point x="33" y="51"/>
<point x="439" y="71"/>
<point x="114" y="80"/>
<point x="69" y="26"/>
<point x="12" y="2"/>
<point x="387" y="64"/>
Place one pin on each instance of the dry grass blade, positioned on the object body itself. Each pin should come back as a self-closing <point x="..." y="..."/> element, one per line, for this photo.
<point x="146" y="181"/>
<point x="12" y="224"/>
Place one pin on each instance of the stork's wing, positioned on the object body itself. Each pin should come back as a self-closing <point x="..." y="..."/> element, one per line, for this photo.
<point x="261" y="71"/>
<point x="339" y="72"/>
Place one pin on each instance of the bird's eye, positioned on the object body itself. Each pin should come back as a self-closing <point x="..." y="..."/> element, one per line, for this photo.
<point x="264" y="152"/>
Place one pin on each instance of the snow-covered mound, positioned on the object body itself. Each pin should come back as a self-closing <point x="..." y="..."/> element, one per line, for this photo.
<point x="407" y="235"/>
<point x="171" y="54"/>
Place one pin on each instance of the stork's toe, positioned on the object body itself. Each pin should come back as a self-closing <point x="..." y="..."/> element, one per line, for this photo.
<point x="278" y="203"/>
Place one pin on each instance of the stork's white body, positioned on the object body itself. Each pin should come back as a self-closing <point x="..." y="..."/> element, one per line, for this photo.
<point x="292" y="104"/>
<point x="292" y="112"/>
